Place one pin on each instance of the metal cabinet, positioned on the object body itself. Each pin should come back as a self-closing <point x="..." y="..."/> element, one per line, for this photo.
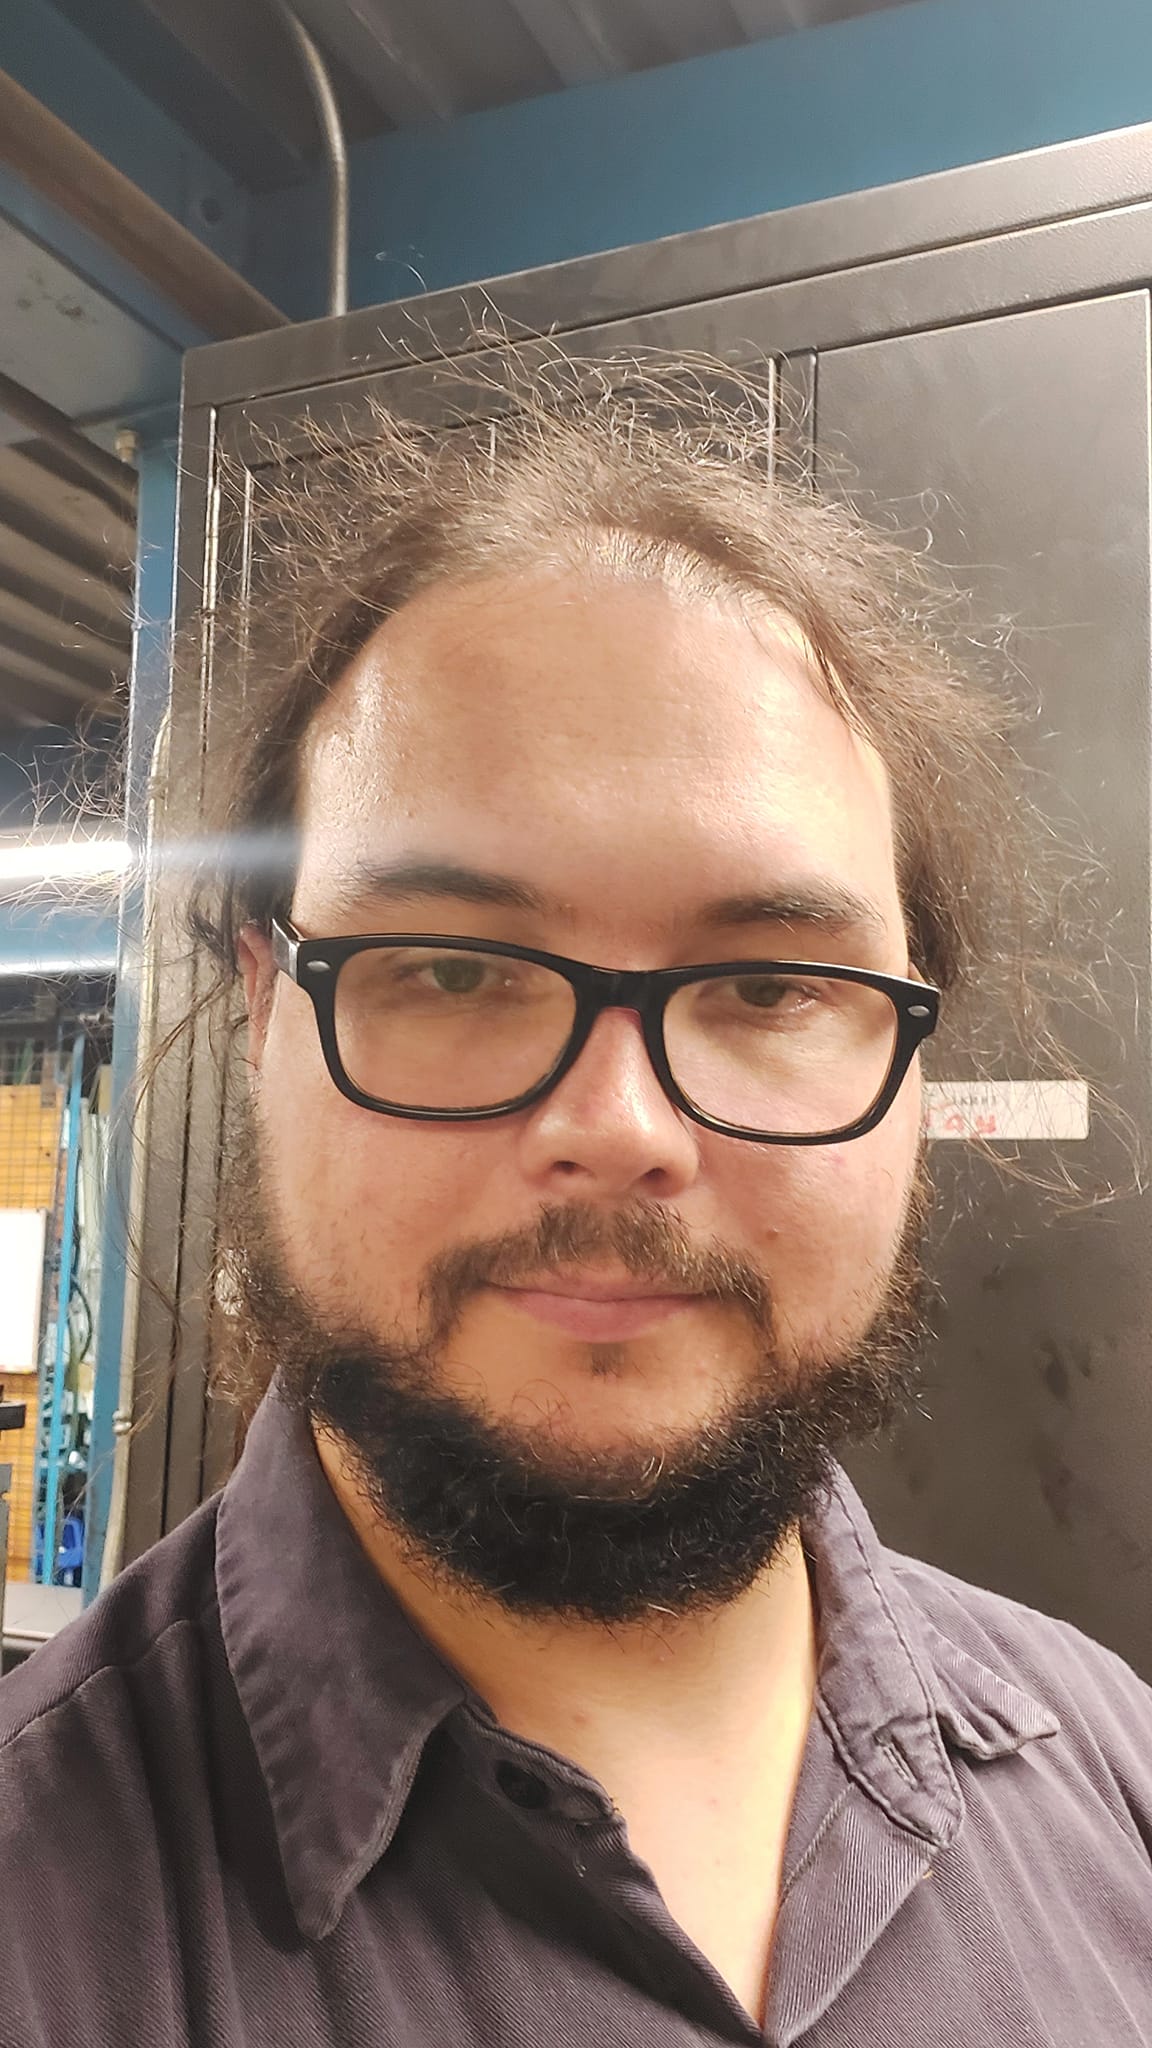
<point x="968" y="356"/>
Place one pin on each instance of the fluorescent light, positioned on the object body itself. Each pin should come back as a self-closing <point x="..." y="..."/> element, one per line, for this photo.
<point x="43" y="966"/>
<point x="49" y="860"/>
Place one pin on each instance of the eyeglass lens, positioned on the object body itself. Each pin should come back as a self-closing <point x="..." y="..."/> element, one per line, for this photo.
<point x="451" y="1031"/>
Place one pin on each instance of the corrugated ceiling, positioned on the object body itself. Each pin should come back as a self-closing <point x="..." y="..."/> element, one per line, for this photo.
<point x="66" y="554"/>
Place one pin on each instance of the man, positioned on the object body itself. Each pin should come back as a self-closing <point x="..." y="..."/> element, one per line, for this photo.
<point x="539" y="1678"/>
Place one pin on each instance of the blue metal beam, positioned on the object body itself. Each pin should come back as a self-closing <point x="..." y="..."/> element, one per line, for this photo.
<point x="71" y="341"/>
<point x="39" y="237"/>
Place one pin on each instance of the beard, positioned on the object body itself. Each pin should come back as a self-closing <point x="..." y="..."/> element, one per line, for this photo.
<point x="607" y="1535"/>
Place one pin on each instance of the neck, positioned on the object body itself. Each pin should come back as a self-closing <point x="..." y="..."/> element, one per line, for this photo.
<point x="590" y="1690"/>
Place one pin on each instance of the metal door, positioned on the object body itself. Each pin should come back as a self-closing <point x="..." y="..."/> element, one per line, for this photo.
<point x="1021" y="447"/>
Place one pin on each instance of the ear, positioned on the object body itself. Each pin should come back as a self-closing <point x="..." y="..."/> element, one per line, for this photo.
<point x="254" y="957"/>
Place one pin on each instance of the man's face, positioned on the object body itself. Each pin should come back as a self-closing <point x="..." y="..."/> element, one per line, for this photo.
<point x="632" y="757"/>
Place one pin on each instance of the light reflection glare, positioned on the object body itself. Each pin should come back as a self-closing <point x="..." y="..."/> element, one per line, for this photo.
<point x="49" y="860"/>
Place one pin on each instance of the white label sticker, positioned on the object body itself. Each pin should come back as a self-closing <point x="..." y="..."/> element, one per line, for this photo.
<point x="1006" y="1109"/>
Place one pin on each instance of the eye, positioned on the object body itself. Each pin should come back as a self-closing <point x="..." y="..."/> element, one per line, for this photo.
<point x="769" y="991"/>
<point x="443" y="979"/>
<point x="458" y="974"/>
<point x="773" y="995"/>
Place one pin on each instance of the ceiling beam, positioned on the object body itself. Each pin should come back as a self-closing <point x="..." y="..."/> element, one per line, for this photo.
<point x="685" y="29"/>
<point x="69" y="613"/>
<point x="771" y="17"/>
<point x="42" y="478"/>
<point x="38" y="700"/>
<point x="57" y="163"/>
<point x="19" y="657"/>
<point x="76" y="670"/>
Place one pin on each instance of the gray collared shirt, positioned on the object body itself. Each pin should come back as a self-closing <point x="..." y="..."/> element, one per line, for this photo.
<point x="244" y="1805"/>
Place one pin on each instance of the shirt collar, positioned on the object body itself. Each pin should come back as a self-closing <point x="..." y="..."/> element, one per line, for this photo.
<point x="341" y="1693"/>
<point x="894" y="1689"/>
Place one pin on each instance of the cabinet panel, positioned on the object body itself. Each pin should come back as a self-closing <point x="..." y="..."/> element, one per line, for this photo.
<point x="1020" y="447"/>
<point x="918" y="292"/>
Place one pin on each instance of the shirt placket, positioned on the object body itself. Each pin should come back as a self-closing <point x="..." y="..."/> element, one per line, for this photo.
<point x="571" y="1816"/>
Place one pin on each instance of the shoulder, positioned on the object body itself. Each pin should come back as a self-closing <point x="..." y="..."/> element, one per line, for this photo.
<point x="103" y="1762"/>
<point x="1103" y="1706"/>
<point x="1044" y="1653"/>
<point x="128" y="1627"/>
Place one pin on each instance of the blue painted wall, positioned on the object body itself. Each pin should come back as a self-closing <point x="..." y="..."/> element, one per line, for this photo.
<point x="892" y="95"/>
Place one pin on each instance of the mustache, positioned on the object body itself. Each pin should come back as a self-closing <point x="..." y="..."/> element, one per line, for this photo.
<point x="650" y="1242"/>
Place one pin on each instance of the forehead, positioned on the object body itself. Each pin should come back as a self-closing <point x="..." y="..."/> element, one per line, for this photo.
<point x="579" y="729"/>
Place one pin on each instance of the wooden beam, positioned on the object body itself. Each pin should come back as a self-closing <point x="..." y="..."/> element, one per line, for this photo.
<point x="56" y="162"/>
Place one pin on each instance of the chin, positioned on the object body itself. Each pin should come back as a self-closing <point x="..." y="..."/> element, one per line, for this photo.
<point x="677" y="1375"/>
<point x="602" y="1414"/>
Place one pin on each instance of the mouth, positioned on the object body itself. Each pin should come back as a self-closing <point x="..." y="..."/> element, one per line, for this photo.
<point x="603" y="1311"/>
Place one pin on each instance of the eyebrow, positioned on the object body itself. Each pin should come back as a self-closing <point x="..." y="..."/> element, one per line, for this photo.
<point x="824" y="903"/>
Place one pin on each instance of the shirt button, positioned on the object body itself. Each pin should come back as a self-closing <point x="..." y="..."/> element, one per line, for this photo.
<point x="522" y="1787"/>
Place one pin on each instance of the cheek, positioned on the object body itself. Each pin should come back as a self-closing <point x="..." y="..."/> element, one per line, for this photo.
<point x="362" y="1202"/>
<point x="832" y="1221"/>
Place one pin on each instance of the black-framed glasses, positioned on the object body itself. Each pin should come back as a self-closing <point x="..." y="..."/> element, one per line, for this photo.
<point x="445" y="1030"/>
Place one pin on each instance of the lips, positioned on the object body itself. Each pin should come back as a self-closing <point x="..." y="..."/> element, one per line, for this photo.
<point x="599" y="1310"/>
<point x="595" y="1287"/>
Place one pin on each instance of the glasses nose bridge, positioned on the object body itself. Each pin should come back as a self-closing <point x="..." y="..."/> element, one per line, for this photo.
<point x="639" y="989"/>
<point x="642" y="991"/>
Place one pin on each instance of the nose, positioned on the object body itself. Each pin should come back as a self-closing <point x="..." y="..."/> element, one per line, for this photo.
<point x="608" y="1128"/>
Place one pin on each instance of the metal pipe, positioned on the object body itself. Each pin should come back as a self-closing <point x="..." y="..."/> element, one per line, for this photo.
<point x="55" y="427"/>
<point x="335" y="156"/>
